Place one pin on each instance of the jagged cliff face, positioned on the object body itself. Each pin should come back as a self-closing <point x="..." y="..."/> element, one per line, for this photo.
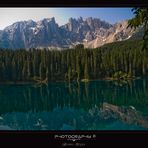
<point x="116" y="32"/>
<point x="92" y="32"/>
<point x="28" y="34"/>
<point x="85" y="29"/>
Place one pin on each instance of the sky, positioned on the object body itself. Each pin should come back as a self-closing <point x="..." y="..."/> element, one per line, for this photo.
<point x="8" y="16"/>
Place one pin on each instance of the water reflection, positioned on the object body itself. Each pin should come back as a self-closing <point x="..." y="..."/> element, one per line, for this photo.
<point x="107" y="117"/>
<point x="61" y="106"/>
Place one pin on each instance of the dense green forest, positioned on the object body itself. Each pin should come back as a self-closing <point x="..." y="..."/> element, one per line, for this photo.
<point x="120" y="59"/>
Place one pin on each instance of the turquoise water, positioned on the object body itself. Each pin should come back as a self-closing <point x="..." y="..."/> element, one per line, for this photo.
<point x="63" y="106"/>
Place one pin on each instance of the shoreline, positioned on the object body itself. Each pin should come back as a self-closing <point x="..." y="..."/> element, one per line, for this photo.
<point x="81" y="81"/>
<point x="18" y="82"/>
<point x="127" y="79"/>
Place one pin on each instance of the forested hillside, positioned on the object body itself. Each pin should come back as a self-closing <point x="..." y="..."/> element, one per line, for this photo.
<point x="118" y="59"/>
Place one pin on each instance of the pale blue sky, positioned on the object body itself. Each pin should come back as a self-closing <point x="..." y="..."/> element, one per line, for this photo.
<point x="111" y="15"/>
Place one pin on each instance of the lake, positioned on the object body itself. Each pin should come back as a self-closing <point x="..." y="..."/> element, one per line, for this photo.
<point x="96" y="105"/>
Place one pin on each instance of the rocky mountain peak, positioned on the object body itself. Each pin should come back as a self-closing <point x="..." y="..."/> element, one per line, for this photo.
<point x="92" y="32"/>
<point x="80" y="19"/>
<point x="71" y="20"/>
<point x="49" y="20"/>
<point x="97" y="23"/>
<point x="89" y="20"/>
<point x="30" y="22"/>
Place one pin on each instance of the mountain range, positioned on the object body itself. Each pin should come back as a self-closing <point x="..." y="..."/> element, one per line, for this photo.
<point x="46" y="33"/>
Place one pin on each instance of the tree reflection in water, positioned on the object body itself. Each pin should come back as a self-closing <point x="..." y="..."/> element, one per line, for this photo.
<point x="61" y="106"/>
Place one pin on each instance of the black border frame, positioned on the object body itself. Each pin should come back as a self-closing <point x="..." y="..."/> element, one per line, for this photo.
<point x="74" y="3"/>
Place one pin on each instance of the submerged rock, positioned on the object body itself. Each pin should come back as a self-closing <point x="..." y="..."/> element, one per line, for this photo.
<point x="128" y="114"/>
